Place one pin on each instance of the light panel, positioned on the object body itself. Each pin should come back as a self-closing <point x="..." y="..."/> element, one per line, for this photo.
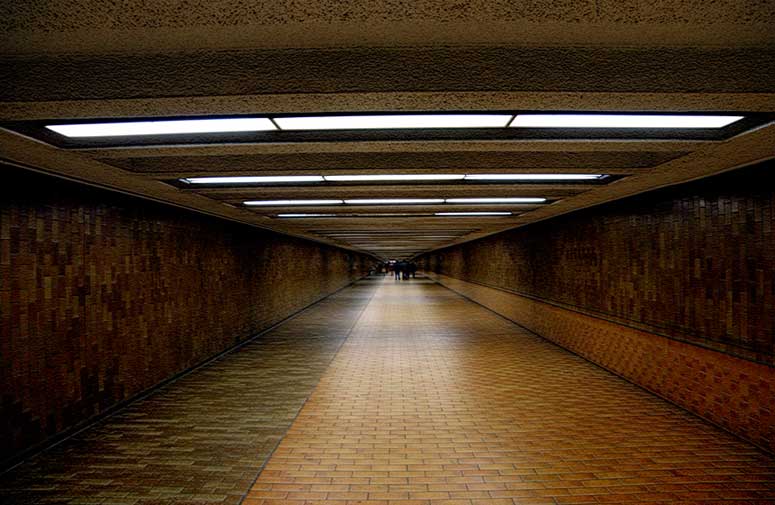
<point x="394" y="201"/>
<point x="472" y="213"/>
<point x="273" y="179"/>
<point x="393" y="121"/>
<point x="410" y="234"/>
<point x="497" y="200"/>
<point x="394" y="177"/>
<point x="621" y="121"/>
<point x="384" y="214"/>
<point x="305" y="215"/>
<point x="164" y="127"/>
<point x="268" y="179"/>
<point x="533" y="177"/>
<point x="280" y="203"/>
<point x="390" y="214"/>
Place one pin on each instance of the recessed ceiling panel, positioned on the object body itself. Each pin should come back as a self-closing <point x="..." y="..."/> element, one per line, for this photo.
<point x="385" y="126"/>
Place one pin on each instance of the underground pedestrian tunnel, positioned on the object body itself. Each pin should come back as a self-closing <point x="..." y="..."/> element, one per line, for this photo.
<point x="203" y="208"/>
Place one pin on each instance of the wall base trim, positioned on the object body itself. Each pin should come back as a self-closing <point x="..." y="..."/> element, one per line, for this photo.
<point x="9" y="464"/>
<point x="730" y="392"/>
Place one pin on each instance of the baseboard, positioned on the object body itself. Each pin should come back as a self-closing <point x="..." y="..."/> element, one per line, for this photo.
<point x="17" y="459"/>
<point x="730" y="392"/>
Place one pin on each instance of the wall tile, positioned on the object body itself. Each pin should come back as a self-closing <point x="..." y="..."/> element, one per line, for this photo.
<point x="673" y="289"/>
<point x="694" y="262"/>
<point x="103" y="296"/>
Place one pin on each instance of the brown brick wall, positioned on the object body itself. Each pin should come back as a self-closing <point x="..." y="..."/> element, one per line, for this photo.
<point x="731" y="392"/>
<point x="673" y="289"/>
<point x="103" y="296"/>
<point x="694" y="262"/>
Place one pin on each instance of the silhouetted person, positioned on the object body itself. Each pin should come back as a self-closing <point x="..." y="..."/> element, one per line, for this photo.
<point x="397" y="269"/>
<point x="413" y="269"/>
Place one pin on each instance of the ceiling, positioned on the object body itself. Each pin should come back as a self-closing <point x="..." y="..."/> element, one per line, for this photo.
<point x="78" y="60"/>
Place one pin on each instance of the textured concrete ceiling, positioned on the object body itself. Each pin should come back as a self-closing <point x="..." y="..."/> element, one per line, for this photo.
<point x="87" y="59"/>
<point x="78" y="25"/>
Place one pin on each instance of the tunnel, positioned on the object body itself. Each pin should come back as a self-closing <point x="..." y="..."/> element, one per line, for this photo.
<point x="387" y="253"/>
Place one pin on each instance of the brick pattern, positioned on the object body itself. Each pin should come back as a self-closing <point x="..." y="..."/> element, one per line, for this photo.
<point x="102" y="296"/>
<point x="729" y="391"/>
<point x="695" y="262"/>
<point x="203" y="438"/>
<point x="434" y="400"/>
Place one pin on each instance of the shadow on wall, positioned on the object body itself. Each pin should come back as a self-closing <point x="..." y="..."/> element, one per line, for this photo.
<point x="104" y="296"/>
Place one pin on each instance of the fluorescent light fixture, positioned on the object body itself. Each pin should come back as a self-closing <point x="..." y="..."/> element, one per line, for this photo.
<point x="281" y="203"/>
<point x="387" y="214"/>
<point x="391" y="121"/>
<point x="496" y="200"/>
<point x="533" y="177"/>
<point x="396" y="177"/>
<point x="271" y="179"/>
<point x="472" y="214"/>
<point x="253" y="179"/>
<point x="411" y="235"/>
<point x="306" y="215"/>
<point x="164" y="127"/>
<point x="394" y="201"/>
<point x="621" y="121"/>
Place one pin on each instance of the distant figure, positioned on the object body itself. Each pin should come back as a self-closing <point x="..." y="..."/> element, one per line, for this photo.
<point x="413" y="269"/>
<point x="397" y="269"/>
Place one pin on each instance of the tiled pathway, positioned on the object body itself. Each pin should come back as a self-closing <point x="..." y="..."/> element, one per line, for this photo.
<point x="204" y="438"/>
<point x="435" y="400"/>
<point x="431" y="400"/>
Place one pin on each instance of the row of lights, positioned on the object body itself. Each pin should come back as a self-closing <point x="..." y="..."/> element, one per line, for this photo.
<point x="443" y="214"/>
<point x="392" y="201"/>
<point x="395" y="201"/>
<point x="389" y="121"/>
<point x="274" y="179"/>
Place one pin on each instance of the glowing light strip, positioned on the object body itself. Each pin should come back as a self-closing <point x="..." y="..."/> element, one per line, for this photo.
<point x="397" y="201"/>
<point x="393" y="121"/>
<point x="271" y="179"/>
<point x="280" y="203"/>
<point x="253" y="179"/>
<point x="306" y="215"/>
<point x="621" y="121"/>
<point x="472" y="213"/>
<point x="165" y="127"/>
<point x="496" y="200"/>
<point x="394" y="177"/>
<point x="533" y="177"/>
<point x="394" y="201"/>
<point x="390" y="121"/>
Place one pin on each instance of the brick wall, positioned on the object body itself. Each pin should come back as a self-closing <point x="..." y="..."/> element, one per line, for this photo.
<point x="102" y="296"/>
<point x="673" y="289"/>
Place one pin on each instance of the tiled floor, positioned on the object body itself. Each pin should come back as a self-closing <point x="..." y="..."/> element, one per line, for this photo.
<point x="204" y="438"/>
<point x="431" y="400"/>
<point x="435" y="400"/>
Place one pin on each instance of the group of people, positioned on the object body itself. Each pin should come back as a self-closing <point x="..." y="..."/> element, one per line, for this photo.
<point x="402" y="270"/>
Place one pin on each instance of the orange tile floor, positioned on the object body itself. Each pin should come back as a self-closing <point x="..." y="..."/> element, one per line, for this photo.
<point x="435" y="400"/>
